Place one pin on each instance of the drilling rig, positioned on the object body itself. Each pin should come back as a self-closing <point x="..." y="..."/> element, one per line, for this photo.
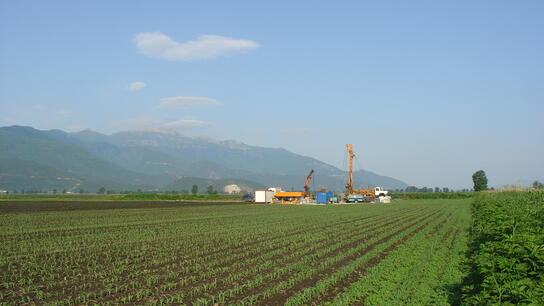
<point x="359" y="195"/>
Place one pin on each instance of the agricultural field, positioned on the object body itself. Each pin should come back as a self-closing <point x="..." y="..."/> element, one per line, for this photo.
<point x="61" y="252"/>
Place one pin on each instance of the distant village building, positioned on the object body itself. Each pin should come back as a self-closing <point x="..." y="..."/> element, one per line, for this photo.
<point x="3" y="192"/>
<point x="232" y="189"/>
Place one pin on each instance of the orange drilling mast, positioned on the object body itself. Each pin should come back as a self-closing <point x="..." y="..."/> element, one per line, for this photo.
<point x="352" y="194"/>
<point x="351" y="155"/>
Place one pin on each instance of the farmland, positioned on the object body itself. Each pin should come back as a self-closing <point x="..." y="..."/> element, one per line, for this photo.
<point x="168" y="252"/>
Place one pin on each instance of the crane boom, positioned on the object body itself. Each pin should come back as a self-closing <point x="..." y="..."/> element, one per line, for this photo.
<point x="306" y="187"/>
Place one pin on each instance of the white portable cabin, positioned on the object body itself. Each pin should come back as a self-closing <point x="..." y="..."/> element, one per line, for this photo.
<point x="264" y="196"/>
<point x="386" y="199"/>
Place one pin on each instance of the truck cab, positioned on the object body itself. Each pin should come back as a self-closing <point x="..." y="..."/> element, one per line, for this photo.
<point x="379" y="192"/>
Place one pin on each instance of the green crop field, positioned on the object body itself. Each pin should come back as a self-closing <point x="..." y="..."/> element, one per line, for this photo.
<point x="408" y="251"/>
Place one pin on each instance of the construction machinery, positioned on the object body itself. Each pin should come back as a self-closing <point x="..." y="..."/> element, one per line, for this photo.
<point x="306" y="184"/>
<point x="359" y="195"/>
<point x="295" y="197"/>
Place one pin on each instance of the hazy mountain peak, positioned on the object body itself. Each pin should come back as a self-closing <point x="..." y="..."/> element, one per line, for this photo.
<point x="90" y="135"/>
<point x="21" y="128"/>
<point x="229" y="143"/>
<point x="207" y="139"/>
<point x="235" y="144"/>
<point x="154" y="131"/>
<point x="88" y="132"/>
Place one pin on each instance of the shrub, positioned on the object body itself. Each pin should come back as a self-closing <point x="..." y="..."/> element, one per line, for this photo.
<point x="506" y="254"/>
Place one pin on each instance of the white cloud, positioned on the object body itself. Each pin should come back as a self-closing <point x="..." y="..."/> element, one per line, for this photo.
<point x="187" y="123"/>
<point x="136" y="86"/>
<point x="181" y="102"/>
<point x="156" y="44"/>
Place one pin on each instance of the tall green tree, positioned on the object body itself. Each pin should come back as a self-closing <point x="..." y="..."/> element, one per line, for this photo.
<point x="480" y="180"/>
<point x="210" y="189"/>
<point x="411" y="189"/>
<point x="194" y="190"/>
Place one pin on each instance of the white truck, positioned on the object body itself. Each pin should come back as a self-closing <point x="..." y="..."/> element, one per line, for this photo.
<point x="379" y="192"/>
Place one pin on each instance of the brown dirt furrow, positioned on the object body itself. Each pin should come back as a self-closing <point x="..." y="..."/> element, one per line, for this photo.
<point x="284" y="295"/>
<point x="437" y="227"/>
<point x="456" y="231"/>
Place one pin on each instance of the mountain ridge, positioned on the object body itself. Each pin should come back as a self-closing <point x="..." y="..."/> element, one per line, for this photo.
<point x="156" y="159"/>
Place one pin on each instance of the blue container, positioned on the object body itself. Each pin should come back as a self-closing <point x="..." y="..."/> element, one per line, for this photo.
<point x="322" y="197"/>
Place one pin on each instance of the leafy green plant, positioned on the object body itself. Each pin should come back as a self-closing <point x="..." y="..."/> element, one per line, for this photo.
<point x="506" y="256"/>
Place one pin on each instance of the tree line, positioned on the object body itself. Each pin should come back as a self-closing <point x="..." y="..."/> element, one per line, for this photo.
<point x="479" y="179"/>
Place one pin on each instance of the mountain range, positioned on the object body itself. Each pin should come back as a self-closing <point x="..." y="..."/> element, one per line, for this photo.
<point x="156" y="160"/>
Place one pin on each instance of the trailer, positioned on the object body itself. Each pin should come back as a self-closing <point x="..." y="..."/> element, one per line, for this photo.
<point x="264" y="196"/>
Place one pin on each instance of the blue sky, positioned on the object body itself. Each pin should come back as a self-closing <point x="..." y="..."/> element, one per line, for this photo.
<point x="427" y="91"/>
